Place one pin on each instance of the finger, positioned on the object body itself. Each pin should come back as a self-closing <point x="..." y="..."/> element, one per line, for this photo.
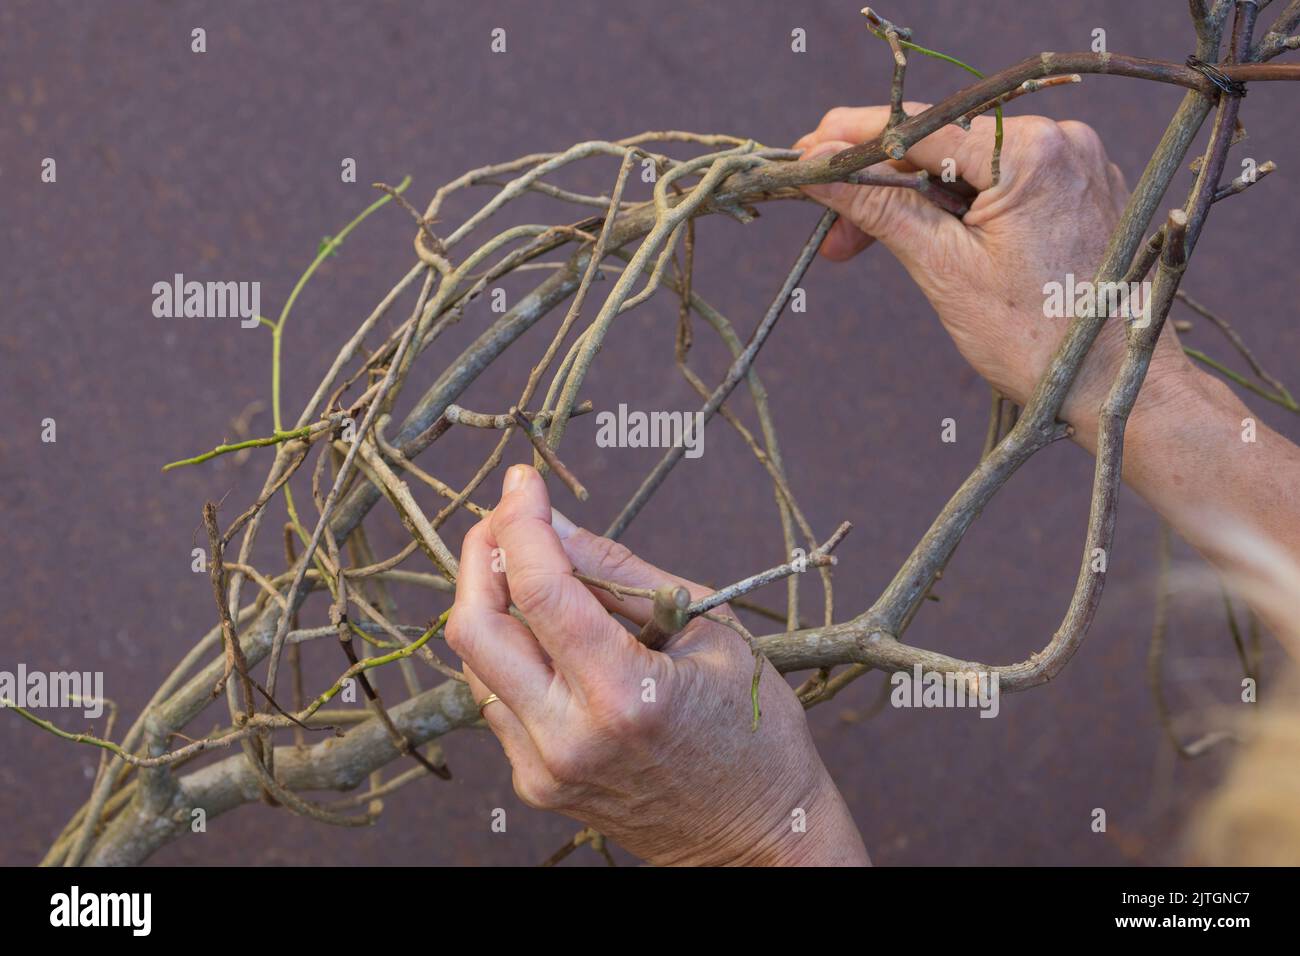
<point x="1086" y="142"/>
<point x="906" y="223"/>
<point x="844" y="241"/>
<point x="569" y="623"/>
<point x="845" y="124"/>
<point x="485" y="635"/>
<point x="610" y="561"/>
<point x="1031" y="144"/>
<point x="949" y="149"/>
<point x="966" y="154"/>
<point x="854" y="124"/>
<point x="483" y="584"/>
<point x="508" y="729"/>
<point x="1118" y="187"/>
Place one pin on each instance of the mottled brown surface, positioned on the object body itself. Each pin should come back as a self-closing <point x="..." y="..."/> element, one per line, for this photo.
<point x="226" y="166"/>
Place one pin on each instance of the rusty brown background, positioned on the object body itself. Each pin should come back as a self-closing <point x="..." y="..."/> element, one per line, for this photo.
<point x="226" y="165"/>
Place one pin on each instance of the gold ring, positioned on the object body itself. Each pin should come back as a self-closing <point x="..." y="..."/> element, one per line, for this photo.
<point x="489" y="699"/>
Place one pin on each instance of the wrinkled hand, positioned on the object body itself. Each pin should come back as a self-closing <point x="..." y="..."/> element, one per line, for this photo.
<point x="1051" y="214"/>
<point x="653" y="749"/>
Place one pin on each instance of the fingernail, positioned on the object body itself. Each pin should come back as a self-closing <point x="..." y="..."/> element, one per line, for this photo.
<point x="514" y="479"/>
<point x="562" y="525"/>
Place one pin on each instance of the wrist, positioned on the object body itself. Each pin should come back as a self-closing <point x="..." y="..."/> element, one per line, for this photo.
<point x="1179" y="422"/>
<point x="830" y="837"/>
<point x="1172" y="404"/>
<point x="811" y="828"/>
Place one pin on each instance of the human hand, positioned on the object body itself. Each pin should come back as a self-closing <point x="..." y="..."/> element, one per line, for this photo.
<point x="1051" y="214"/>
<point x="653" y="749"/>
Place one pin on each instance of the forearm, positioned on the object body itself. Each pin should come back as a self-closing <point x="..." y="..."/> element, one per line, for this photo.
<point x="1188" y="452"/>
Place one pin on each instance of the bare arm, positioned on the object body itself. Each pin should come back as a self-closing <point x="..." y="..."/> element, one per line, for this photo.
<point x="1205" y="463"/>
<point x="985" y="275"/>
<point x="651" y="747"/>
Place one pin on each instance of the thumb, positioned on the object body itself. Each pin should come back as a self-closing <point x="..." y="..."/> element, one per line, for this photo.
<point x="899" y="217"/>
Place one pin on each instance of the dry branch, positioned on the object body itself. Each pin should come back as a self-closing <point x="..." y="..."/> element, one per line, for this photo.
<point x="125" y="820"/>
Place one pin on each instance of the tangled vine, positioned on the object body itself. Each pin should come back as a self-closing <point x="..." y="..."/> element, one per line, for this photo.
<point x="144" y="794"/>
